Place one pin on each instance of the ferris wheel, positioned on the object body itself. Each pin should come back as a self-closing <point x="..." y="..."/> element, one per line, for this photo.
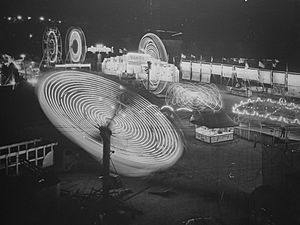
<point x="75" y="45"/>
<point x="52" y="46"/>
<point x="152" y="45"/>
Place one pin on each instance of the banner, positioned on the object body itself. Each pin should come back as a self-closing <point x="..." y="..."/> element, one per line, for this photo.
<point x="205" y="68"/>
<point x="216" y="69"/>
<point x="294" y="79"/>
<point x="265" y="76"/>
<point x="278" y="77"/>
<point x="196" y="71"/>
<point x="294" y="91"/>
<point x="251" y="74"/>
<point x="205" y="78"/>
<point x="240" y="72"/>
<point x="186" y="70"/>
<point x="227" y="71"/>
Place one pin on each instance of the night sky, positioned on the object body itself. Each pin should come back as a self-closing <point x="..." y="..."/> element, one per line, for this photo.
<point x="229" y="28"/>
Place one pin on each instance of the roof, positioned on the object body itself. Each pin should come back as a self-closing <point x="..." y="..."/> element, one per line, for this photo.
<point x="214" y="120"/>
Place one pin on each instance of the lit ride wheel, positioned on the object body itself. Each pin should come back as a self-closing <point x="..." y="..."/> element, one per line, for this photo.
<point x="52" y="46"/>
<point x="75" y="45"/>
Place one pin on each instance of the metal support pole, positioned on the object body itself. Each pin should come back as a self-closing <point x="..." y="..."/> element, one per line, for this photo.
<point x="105" y="134"/>
<point x="148" y="73"/>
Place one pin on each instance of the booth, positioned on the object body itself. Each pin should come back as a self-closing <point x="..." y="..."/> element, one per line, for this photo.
<point x="214" y="127"/>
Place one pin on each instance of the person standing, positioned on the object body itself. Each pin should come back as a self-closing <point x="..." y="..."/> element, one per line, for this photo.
<point x="283" y="131"/>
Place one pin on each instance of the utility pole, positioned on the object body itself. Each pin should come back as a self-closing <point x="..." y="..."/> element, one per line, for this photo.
<point x="106" y="133"/>
<point x="148" y="73"/>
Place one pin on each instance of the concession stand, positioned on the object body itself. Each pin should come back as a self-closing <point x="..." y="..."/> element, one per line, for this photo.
<point x="213" y="127"/>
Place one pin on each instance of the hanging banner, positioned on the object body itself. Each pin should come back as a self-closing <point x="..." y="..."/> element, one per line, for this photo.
<point x="205" y="68"/>
<point x="186" y="70"/>
<point x="294" y="91"/>
<point x="294" y="79"/>
<point x="205" y="78"/>
<point x="278" y="77"/>
<point x="216" y="69"/>
<point x="227" y="71"/>
<point x="265" y="76"/>
<point x="240" y="72"/>
<point x="251" y="74"/>
<point x="196" y="71"/>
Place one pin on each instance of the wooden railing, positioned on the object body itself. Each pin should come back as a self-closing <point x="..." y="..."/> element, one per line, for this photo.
<point x="12" y="155"/>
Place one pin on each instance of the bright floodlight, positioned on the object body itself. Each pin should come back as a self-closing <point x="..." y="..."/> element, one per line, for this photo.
<point x="42" y="18"/>
<point x="78" y="103"/>
<point x="19" y="17"/>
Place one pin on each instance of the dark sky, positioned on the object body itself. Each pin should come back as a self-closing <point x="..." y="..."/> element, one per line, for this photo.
<point x="262" y="28"/>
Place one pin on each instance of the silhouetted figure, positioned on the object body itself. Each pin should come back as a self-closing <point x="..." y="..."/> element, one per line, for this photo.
<point x="283" y="131"/>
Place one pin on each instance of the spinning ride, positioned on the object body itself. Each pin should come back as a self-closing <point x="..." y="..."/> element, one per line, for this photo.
<point x="75" y="45"/>
<point x="78" y="103"/>
<point x="194" y="97"/>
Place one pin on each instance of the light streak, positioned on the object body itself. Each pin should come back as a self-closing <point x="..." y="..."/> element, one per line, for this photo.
<point x="194" y="97"/>
<point x="269" y="109"/>
<point x="76" y="45"/>
<point x="152" y="45"/>
<point x="143" y="139"/>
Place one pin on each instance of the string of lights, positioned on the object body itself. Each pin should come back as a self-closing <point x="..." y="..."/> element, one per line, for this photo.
<point x="77" y="103"/>
<point x="280" y="111"/>
<point x="194" y="96"/>
<point x="21" y="18"/>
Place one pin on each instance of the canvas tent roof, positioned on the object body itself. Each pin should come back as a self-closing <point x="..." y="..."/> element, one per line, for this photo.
<point x="214" y="120"/>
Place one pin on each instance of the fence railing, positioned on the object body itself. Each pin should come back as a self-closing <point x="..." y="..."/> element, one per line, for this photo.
<point x="11" y="156"/>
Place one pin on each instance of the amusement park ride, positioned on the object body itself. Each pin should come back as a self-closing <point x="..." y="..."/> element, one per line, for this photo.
<point x="113" y="122"/>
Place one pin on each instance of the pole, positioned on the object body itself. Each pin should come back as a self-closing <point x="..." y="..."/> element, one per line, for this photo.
<point x="99" y="59"/>
<point x="148" y="73"/>
<point x="105" y="134"/>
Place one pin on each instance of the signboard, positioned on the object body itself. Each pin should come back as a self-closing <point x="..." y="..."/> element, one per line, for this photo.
<point x="202" y="137"/>
<point x="196" y="71"/>
<point x="186" y="70"/>
<point x="294" y="79"/>
<point x="216" y="69"/>
<point x="278" y="77"/>
<point x="221" y="138"/>
<point x="265" y="76"/>
<point x="240" y="72"/>
<point x="205" y="78"/>
<point x="251" y="74"/>
<point x="227" y="71"/>
<point x="137" y="58"/>
<point x="205" y="68"/>
<point x="294" y="91"/>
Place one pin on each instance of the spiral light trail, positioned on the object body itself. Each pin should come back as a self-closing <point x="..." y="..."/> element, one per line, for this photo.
<point x="152" y="45"/>
<point x="194" y="96"/>
<point x="77" y="103"/>
<point x="75" y="45"/>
